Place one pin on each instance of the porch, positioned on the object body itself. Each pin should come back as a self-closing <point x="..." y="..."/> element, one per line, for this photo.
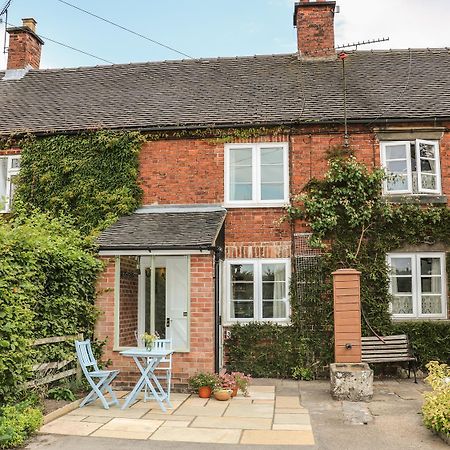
<point x="162" y="267"/>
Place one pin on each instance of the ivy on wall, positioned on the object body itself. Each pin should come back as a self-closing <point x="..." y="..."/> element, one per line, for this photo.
<point x="356" y="227"/>
<point x="90" y="177"/>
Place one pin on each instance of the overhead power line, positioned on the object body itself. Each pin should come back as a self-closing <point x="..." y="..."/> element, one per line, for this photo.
<point x="68" y="46"/>
<point x="126" y="29"/>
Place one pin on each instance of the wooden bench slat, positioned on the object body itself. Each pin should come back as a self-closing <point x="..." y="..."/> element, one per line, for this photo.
<point x="384" y="348"/>
<point x="386" y="338"/>
<point x="381" y="360"/>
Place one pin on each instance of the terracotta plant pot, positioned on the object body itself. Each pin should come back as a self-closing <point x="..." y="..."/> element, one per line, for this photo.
<point x="234" y="391"/>
<point x="222" y="395"/>
<point x="204" y="392"/>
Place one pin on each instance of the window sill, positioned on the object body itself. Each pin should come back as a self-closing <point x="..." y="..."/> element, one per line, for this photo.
<point x="230" y="323"/>
<point x="416" y="198"/>
<point x="419" y="319"/>
<point x="255" y="205"/>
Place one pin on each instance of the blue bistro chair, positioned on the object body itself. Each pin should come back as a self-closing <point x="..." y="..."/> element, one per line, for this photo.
<point x="105" y="377"/>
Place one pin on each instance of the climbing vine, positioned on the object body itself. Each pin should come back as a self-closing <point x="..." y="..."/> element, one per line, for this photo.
<point x="355" y="226"/>
<point x="92" y="177"/>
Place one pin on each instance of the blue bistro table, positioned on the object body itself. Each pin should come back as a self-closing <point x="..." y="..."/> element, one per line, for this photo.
<point x="147" y="361"/>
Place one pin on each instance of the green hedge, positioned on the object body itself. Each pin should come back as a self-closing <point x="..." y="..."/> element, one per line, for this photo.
<point x="430" y="340"/>
<point x="47" y="288"/>
<point x="271" y="350"/>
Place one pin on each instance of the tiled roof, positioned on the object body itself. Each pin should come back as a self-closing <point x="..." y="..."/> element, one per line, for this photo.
<point x="165" y="228"/>
<point x="277" y="89"/>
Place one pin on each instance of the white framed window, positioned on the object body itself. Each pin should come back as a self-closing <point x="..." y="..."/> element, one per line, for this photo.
<point x="256" y="174"/>
<point x="413" y="167"/>
<point x="9" y="170"/>
<point x="418" y="285"/>
<point x="257" y="290"/>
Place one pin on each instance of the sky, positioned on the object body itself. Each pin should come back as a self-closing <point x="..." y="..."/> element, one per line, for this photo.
<point x="210" y="28"/>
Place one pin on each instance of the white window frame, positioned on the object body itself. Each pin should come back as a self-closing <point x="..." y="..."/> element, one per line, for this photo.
<point x="416" y="284"/>
<point x="257" y="289"/>
<point x="256" y="176"/>
<point x="10" y="172"/>
<point x="409" y="190"/>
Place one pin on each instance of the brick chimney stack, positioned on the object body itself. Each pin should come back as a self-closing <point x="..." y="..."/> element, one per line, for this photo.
<point x="24" y="49"/>
<point x="315" y="28"/>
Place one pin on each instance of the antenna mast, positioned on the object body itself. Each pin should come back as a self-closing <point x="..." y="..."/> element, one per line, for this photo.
<point x="4" y="11"/>
<point x="343" y="56"/>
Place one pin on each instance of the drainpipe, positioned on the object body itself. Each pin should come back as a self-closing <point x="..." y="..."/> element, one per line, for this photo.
<point x="217" y="256"/>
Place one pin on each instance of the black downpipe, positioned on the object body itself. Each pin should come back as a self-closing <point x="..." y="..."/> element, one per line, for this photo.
<point x="217" y="257"/>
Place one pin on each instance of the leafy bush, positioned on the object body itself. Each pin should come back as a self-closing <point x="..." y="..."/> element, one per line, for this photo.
<point x="47" y="288"/>
<point x="61" y="393"/>
<point x="91" y="177"/>
<point x="17" y="423"/>
<point x="436" y="408"/>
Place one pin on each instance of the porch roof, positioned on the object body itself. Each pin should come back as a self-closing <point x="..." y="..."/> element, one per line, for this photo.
<point x="165" y="228"/>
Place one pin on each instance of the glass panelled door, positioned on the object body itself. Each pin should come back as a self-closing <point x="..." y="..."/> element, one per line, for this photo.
<point x="165" y="295"/>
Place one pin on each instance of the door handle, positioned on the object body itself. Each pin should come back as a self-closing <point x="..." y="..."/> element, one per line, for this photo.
<point x="168" y="322"/>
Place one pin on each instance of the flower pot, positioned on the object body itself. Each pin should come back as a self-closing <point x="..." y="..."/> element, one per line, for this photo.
<point x="222" y="395"/>
<point x="234" y="391"/>
<point x="204" y="392"/>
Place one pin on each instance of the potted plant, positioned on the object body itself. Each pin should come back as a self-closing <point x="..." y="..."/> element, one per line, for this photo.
<point x="242" y="382"/>
<point x="149" y="340"/>
<point x="228" y="382"/>
<point x="222" y="394"/>
<point x="204" y="383"/>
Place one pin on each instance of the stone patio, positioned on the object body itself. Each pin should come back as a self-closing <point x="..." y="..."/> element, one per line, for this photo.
<point x="263" y="418"/>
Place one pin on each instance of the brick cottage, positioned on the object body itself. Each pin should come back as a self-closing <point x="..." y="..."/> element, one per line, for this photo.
<point x="208" y="249"/>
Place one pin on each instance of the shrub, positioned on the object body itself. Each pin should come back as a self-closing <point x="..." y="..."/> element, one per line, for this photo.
<point x="203" y="379"/>
<point x="47" y="288"/>
<point x="436" y="408"/>
<point x="17" y="423"/>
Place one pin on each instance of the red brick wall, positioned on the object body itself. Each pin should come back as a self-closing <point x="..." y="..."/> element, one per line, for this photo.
<point x="24" y="49"/>
<point x="201" y="355"/>
<point x="128" y="312"/>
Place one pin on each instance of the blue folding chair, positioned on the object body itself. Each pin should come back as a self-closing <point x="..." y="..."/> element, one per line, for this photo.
<point x="105" y="377"/>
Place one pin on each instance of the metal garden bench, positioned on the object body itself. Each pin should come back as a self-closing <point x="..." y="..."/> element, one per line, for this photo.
<point x="105" y="377"/>
<point x="388" y="349"/>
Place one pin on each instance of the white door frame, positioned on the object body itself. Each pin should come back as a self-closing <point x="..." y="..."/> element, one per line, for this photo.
<point x="149" y="262"/>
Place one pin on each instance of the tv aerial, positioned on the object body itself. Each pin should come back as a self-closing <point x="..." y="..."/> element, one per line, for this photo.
<point x="4" y="12"/>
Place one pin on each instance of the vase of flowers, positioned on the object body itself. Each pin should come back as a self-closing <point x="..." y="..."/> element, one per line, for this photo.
<point x="149" y="340"/>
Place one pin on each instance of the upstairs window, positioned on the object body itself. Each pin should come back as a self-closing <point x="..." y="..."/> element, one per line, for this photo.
<point x="256" y="174"/>
<point x="417" y="285"/>
<point x="412" y="167"/>
<point x="9" y="170"/>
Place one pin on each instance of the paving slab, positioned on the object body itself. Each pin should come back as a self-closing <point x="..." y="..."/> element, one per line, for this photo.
<point x="134" y="435"/>
<point x="111" y="412"/>
<point x="291" y="426"/>
<point x="277" y="437"/>
<point x="287" y="402"/>
<point x="211" y="409"/>
<point x="176" y="424"/>
<point x="75" y="428"/>
<point x="96" y="419"/>
<point x="250" y="410"/>
<point x="248" y="423"/>
<point x="300" y="419"/>
<point x="132" y="425"/>
<point x="291" y="410"/>
<point x="168" y="418"/>
<point x="207" y="435"/>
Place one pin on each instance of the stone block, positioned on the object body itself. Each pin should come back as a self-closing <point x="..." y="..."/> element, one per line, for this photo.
<point x="351" y="381"/>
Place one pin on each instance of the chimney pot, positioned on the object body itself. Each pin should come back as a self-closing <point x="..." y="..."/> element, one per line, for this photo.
<point x="24" y="50"/>
<point x="315" y="28"/>
<point x="30" y="23"/>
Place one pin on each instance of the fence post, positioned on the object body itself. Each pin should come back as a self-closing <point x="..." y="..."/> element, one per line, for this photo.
<point x="347" y="316"/>
<point x="78" y="375"/>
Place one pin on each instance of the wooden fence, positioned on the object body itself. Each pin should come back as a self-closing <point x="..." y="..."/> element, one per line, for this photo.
<point x="57" y="365"/>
